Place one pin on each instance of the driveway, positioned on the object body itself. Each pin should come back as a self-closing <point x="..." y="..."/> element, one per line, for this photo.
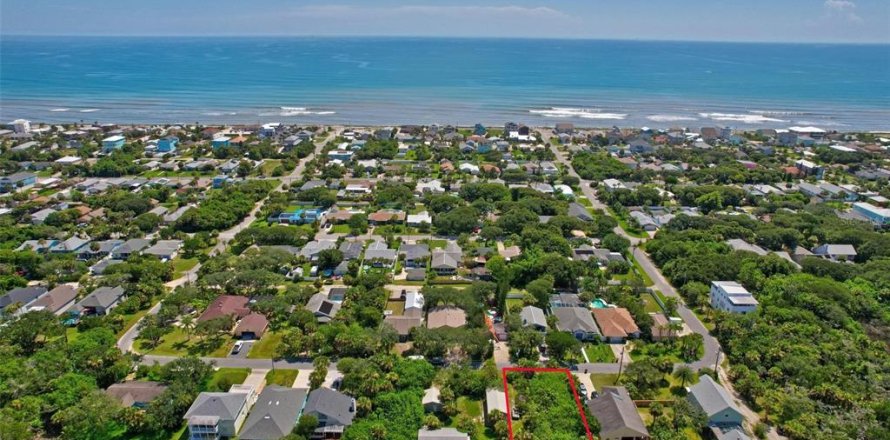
<point x="242" y="354"/>
<point x="302" y="378"/>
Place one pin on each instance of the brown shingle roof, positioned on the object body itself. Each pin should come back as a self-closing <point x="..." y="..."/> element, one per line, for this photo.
<point x="255" y="323"/>
<point x="225" y="305"/>
<point x="446" y="317"/>
<point x="615" y="322"/>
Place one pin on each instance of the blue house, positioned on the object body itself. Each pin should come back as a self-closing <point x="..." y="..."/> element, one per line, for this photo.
<point x="479" y="130"/>
<point x="298" y="217"/>
<point x="219" y="181"/>
<point x="220" y="142"/>
<point x="112" y="143"/>
<point x="483" y="147"/>
<point x="168" y="144"/>
<point x="15" y="181"/>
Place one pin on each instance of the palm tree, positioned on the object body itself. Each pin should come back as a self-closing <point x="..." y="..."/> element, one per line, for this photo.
<point x="188" y="324"/>
<point x="684" y="374"/>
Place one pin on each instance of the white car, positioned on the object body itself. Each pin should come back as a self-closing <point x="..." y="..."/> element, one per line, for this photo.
<point x="237" y="348"/>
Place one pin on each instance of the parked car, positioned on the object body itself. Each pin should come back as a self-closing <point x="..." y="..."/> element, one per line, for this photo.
<point x="237" y="348"/>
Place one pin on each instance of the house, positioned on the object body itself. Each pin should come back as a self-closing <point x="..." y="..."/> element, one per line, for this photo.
<point x="112" y="143"/>
<point x="547" y="168"/>
<point x="220" y="142"/>
<point x="313" y="248"/>
<point x="39" y="217"/>
<point x="617" y="415"/>
<point x="165" y="250"/>
<point x="378" y="254"/>
<point x="446" y="317"/>
<point x="17" y="300"/>
<point x="808" y="168"/>
<point x="662" y="326"/>
<point x="446" y="261"/>
<point x="167" y="144"/>
<point x="640" y="146"/>
<point x="73" y="244"/>
<point x="616" y="324"/>
<point x="216" y="415"/>
<point x="274" y="414"/>
<point x="441" y="434"/>
<point x="737" y="244"/>
<point x="878" y="215"/>
<point x="252" y="326"/>
<point x="129" y="247"/>
<point x="716" y="403"/>
<point x="39" y="246"/>
<point x="98" y="249"/>
<point x="16" y="181"/>
<point x="495" y="400"/>
<point x="341" y="155"/>
<point x="351" y="250"/>
<point x="431" y="400"/>
<point x="731" y="297"/>
<point x="578" y="211"/>
<point x="56" y="301"/>
<point x="577" y="321"/>
<point x="135" y="393"/>
<point x="565" y="128"/>
<point x="729" y="433"/>
<point x="99" y="268"/>
<point x="417" y="274"/>
<point x="565" y="300"/>
<point x="226" y="305"/>
<point x="100" y="301"/>
<point x="510" y="252"/>
<point x="469" y="168"/>
<point x="385" y="216"/>
<point x="333" y="409"/>
<point x="323" y="308"/>
<point x="835" y="252"/>
<point x="429" y="187"/>
<point x="416" y="255"/>
<point x="646" y="222"/>
<point x="419" y="218"/>
<point x="533" y="317"/>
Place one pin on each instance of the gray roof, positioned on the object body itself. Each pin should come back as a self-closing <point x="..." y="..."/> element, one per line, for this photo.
<point x="579" y="211"/>
<point x="163" y="248"/>
<point x="338" y="407"/>
<point x="711" y="396"/>
<point x="102" y="297"/>
<point x="444" y="259"/>
<point x="132" y="245"/>
<point x="378" y="250"/>
<point x="532" y="315"/>
<point x="615" y="410"/>
<point x="835" y="249"/>
<point x="55" y="299"/>
<point x="729" y="434"/>
<point x="23" y="295"/>
<point x="135" y="391"/>
<point x="70" y="245"/>
<point x="572" y="319"/>
<point x="441" y="434"/>
<point x="742" y="245"/>
<point x="226" y="406"/>
<point x="351" y="249"/>
<point x="414" y="251"/>
<point x="274" y="414"/>
<point x="320" y="305"/>
<point x="99" y="268"/>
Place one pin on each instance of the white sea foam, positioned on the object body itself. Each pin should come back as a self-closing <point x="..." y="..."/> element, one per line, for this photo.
<point x="89" y="110"/>
<point x="777" y="113"/>
<point x="59" y="109"/>
<point x="670" y="118"/>
<point x="303" y="111"/>
<point x="744" y="119"/>
<point x="583" y="113"/>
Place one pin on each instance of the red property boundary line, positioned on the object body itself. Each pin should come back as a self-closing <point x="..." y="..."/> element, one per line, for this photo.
<point x="568" y="374"/>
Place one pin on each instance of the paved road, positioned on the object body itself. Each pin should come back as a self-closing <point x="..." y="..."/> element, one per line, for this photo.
<point x="125" y="343"/>
<point x="234" y="362"/>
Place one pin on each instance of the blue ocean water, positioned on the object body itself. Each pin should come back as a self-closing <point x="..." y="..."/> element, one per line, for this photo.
<point x="448" y="81"/>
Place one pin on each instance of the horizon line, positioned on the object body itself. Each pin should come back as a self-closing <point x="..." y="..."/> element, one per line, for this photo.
<point x="447" y="37"/>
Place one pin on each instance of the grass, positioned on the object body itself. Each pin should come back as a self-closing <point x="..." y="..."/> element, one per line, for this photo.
<point x="639" y="269"/>
<point x="397" y="307"/>
<point x="268" y="166"/>
<point x="182" y="265"/>
<point x="340" y="229"/>
<point x="266" y="347"/>
<point x="284" y="378"/>
<point x="644" y="350"/>
<point x="131" y="319"/>
<point x="231" y="376"/>
<point x="511" y="302"/>
<point x="603" y="380"/>
<point x="622" y="221"/>
<point x="599" y="353"/>
<point x="649" y="304"/>
<point x="177" y="343"/>
<point x="437" y="244"/>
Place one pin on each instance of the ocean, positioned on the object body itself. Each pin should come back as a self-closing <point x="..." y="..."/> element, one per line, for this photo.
<point x="380" y="81"/>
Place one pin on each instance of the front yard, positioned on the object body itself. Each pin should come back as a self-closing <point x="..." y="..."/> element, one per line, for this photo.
<point x="266" y="347"/>
<point x="178" y="343"/>
<point x="599" y="353"/>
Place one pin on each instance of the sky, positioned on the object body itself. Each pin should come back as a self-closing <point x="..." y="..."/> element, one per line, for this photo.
<point x="833" y="21"/>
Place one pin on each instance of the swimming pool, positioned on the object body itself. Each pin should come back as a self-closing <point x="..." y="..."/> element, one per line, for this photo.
<point x="599" y="304"/>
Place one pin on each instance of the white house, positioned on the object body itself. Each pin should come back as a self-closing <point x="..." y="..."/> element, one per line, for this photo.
<point x="731" y="297"/>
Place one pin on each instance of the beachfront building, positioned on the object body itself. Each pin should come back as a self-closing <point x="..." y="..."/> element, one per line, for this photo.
<point x="220" y="142"/>
<point x="112" y="143"/>
<point x="14" y="182"/>
<point x="732" y="297"/>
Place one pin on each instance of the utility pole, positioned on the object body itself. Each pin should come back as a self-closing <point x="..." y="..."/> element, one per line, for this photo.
<point x="620" y="364"/>
<point x="717" y="361"/>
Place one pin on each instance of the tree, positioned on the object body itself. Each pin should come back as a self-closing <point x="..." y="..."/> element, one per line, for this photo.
<point x="616" y="243"/>
<point x="318" y="375"/>
<point x="541" y="289"/>
<point x="559" y="344"/>
<point x="358" y="224"/>
<point x="329" y="258"/>
<point x="684" y="374"/>
<point x="188" y="324"/>
<point x="670" y="306"/>
<point x="524" y="344"/>
<point x="94" y="417"/>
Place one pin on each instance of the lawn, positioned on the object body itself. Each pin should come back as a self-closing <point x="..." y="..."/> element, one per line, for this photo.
<point x="437" y="244"/>
<point x="225" y="375"/>
<point x="265" y="348"/>
<point x="182" y="265"/>
<point x="584" y="202"/>
<point x="639" y="269"/>
<point x="472" y="408"/>
<point x="512" y="302"/>
<point x="340" y="229"/>
<point x="268" y="166"/>
<point x="599" y="353"/>
<point x="397" y="307"/>
<point x="131" y="319"/>
<point x="177" y="343"/>
<point x="603" y="380"/>
<point x="650" y="305"/>
<point x="284" y="378"/>
<point x="643" y="350"/>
